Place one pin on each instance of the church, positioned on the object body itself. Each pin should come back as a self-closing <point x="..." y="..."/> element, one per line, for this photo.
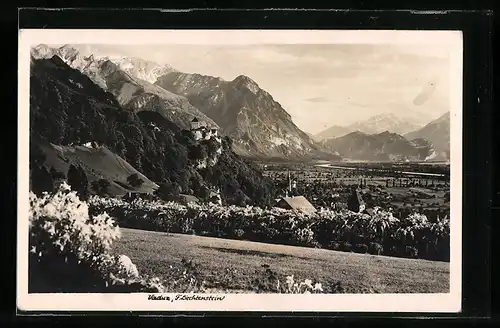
<point x="292" y="201"/>
<point x="356" y="203"/>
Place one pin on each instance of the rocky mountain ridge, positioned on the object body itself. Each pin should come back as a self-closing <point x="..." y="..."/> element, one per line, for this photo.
<point x="115" y="75"/>
<point x="385" y="146"/>
<point x="258" y="124"/>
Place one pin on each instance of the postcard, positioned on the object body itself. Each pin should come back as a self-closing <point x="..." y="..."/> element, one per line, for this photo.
<point x="240" y="170"/>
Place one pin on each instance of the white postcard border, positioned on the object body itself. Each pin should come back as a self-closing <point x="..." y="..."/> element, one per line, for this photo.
<point x="450" y="302"/>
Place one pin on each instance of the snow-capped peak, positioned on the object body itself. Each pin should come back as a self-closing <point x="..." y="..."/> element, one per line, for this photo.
<point x="81" y="58"/>
<point x="384" y="122"/>
<point x="142" y="69"/>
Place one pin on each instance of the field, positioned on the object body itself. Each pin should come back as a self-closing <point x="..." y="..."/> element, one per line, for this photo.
<point x="243" y="266"/>
<point x="219" y="248"/>
<point x="402" y="187"/>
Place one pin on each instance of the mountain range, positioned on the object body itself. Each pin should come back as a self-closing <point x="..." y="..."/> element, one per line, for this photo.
<point x="385" y="146"/>
<point x="373" y="125"/>
<point x="258" y="125"/>
<point x="436" y="132"/>
<point x="383" y="122"/>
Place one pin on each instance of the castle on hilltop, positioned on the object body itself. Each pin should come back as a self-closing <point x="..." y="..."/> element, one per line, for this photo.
<point x="201" y="130"/>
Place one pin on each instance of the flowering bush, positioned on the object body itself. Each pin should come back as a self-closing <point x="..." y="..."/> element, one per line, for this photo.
<point x="326" y="228"/>
<point x="70" y="250"/>
<point x="305" y="287"/>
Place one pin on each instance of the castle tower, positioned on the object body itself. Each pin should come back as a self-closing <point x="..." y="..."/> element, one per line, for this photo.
<point x="195" y="124"/>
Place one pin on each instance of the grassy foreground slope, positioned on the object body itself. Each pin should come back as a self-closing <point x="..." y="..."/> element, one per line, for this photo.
<point x="242" y="266"/>
<point x="98" y="163"/>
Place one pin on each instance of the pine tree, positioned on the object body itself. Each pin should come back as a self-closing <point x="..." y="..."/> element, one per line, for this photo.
<point x="56" y="174"/>
<point x="42" y="180"/>
<point x="78" y="181"/>
<point x="134" y="180"/>
<point x="101" y="186"/>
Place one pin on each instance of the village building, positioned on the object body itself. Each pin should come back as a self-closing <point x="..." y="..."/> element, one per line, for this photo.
<point x="292" y="201"/>
<point x="135" y="194"/>
<point x="299" y="203"/>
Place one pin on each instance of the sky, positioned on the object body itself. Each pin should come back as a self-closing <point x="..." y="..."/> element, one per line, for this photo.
<point x="321" y="85"/>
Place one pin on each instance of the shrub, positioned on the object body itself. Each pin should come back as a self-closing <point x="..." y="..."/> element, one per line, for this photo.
<point x="275" y="225"/>
<point x="411" y="252"/>
<point x="78" y="181"/>
<point x="64" y="237"/>
<point x="101" y="186"/>
<point x="361" y="248"/>
<point x="375" y="249"/>
<point x="346" y="247"/>
<point x="334" y="246"/>
<point x="239" y="233"/>
<point x="134" y="180"/>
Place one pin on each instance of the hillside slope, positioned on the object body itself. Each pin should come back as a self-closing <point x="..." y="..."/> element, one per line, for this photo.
<point x="258" y="124"/>
<point x="240" y="266"/>
<point x="98" y="163"/>
<point x="128" y="80"/>
<point x="67" y="108"/>
<point x="332" y="132"/>
<point x="438" y="132"/>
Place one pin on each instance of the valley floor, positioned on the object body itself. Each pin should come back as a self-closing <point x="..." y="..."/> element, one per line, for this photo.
<point x="242" y="266"/>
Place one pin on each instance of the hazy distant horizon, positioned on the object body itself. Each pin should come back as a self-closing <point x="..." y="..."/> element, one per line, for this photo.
<point x="321" y="85"/>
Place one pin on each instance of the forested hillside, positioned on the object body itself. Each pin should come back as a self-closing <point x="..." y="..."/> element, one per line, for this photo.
<point x="67" y="108"/>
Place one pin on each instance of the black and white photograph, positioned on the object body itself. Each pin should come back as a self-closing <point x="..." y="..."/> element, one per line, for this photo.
<point x="240" y="170"/>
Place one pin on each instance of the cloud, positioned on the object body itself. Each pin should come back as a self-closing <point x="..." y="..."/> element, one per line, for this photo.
<point x="318" y="100"/>
<point x="270" y="55"/>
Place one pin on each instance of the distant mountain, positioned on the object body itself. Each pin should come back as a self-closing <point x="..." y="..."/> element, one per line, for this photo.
<point x="127" y="79"/>
<point x="437" y="132"/>
<point x="76" y="54"/>
<point x="142" y="69"/>
<point x="383" y="122"/>
<point x="385" y="146"/>
<point x="258" y="124"/>
<point x="373" y="125"/>
<point x="332" y="132"/>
